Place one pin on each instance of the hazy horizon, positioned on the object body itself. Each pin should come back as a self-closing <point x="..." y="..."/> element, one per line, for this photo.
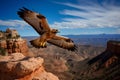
<point x="77" y="34"/>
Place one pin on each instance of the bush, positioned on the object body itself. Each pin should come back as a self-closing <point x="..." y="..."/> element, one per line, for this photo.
<point x="3" y="51"/>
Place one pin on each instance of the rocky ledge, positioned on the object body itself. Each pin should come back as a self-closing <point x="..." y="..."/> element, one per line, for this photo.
<point x="18" y="67"/>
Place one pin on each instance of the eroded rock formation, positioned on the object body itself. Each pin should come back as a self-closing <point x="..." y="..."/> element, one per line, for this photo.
<point x="15" y="46"/>
<point x="18" y="67"/>
<point x="105" y="66"/>
<point x="110" y="56"/>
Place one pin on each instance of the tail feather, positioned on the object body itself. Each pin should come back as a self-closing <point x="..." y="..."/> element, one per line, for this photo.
<point x="35" y="42"/>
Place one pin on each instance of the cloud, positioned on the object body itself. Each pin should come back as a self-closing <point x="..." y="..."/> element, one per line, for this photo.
<point x="14" y="23"/>
<point x="90" y="15"/>
<point x="118" y="31"/>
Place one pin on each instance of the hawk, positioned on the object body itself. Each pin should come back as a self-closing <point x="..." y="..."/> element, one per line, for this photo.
<point x="47" y="34"/>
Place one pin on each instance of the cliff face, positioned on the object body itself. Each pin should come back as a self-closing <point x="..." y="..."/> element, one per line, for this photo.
<point x="14" y="46"/>
<point x="114" y="47"/>
<point x="18" y="67"/>
<point x="109" y="56"/>
<point x="105" y="66"/>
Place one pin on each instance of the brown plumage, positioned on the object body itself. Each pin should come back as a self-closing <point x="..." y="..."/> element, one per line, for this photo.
<point x="39" y="23"/>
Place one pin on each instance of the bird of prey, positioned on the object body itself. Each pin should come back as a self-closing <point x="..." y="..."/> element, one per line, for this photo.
<point x="47" y="34"/>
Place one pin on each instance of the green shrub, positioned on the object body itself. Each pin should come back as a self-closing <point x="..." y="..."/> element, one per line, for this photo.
<point x="3" y="51"/>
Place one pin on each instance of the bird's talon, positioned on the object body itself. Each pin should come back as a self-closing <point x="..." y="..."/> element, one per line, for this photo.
<point x="42" y="44"/>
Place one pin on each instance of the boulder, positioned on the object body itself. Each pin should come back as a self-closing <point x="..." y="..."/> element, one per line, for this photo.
<point x="18" y="67"/>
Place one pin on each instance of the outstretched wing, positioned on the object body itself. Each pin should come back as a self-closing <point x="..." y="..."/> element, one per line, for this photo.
<point x="37" y="21"/>
<point x="63" y="42"/>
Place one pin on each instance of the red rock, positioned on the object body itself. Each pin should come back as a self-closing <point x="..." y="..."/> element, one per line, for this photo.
<point x="18" y="67"/>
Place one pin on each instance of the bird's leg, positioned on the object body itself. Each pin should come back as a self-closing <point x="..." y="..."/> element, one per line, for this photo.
<point x="43" y="40"/>
<point x="44" y="44"/>
<point x="40" y="44"/>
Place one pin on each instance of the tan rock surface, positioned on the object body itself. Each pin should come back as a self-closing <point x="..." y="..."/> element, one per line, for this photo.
<point x="19" y="67"/>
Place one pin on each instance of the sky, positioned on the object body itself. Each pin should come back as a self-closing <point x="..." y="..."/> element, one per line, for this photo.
<point x="70" y="17"/>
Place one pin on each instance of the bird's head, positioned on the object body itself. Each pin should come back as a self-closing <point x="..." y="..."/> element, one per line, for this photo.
<point x="54" y="31"/>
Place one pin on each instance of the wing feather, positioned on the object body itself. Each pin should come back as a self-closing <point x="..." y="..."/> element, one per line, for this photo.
<point x="63" y="42"/>
<point x="37" y="21"/>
